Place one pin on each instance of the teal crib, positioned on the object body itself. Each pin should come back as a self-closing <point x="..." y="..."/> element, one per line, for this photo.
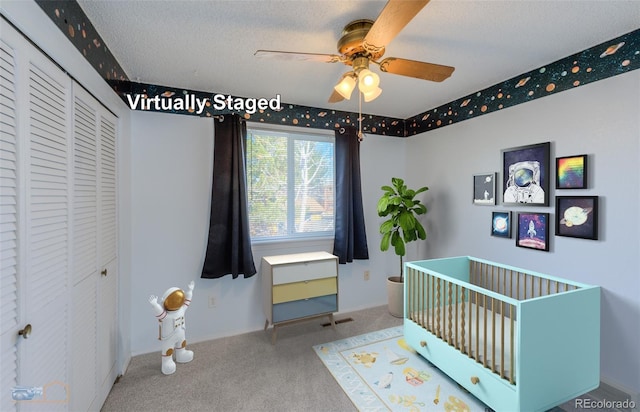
<point x="518" y="340"/>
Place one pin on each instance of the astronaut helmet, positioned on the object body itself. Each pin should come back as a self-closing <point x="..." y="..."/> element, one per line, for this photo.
<point x="173" y="299"/>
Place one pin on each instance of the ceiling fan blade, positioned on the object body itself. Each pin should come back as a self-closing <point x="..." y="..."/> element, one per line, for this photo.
<point x="393" y="18"/>
<point x="335" y="97"/>
<point x="294" y="56"/>
<point x="419" y="70"/>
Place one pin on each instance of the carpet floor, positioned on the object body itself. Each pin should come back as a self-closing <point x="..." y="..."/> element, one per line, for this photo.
<point x="248" y="373"/>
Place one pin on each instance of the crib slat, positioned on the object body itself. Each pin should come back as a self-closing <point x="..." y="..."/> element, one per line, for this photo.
<point x="455" y="337"/>
<point x="462" y="313"/>
<point x="502" y="339"/>
<point x="470" y="326"/>
<point x="449" y="296"/>
<point x="493" y="334"/>
<point x="484" y="359"/>
<point x="477" y="328"/>
<point x="438" y="334"/>
<point x="512" y="365"/>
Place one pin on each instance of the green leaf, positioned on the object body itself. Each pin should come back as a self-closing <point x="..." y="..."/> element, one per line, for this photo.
<point x="407" y="221"/>
<point x="420" y="209"/>
<point x="383" y="203"/>
<point x="386" y="227"/>
<point x="388" y="189"/>
<point x="422" y="234"/>
<point x="395" y="238"/>
<point x="399" y="247"/>
<point x="384" y="243"/>
<point x="422" y="189"/>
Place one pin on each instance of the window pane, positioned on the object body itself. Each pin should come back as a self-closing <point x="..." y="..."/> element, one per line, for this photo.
<point x="313" y="186"/>
<point x="267" y="185"/>
<point x="290" y="184"/>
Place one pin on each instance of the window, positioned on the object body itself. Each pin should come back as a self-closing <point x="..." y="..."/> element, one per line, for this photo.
<point x="290" y="183"/>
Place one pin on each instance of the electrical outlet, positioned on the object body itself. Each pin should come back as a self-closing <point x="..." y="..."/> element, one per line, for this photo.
<point x="212" y="301"/>
<point x="366" y="275"/>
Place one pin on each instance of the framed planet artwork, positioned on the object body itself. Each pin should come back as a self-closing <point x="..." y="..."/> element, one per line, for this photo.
<point x="533" y="231"/>
<point x="577" y="216"/>
<point x="501" y="224"/>
<point x="571" y="172"/>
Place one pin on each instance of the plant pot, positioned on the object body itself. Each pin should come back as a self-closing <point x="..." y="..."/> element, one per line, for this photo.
<point x="395" y="296"/>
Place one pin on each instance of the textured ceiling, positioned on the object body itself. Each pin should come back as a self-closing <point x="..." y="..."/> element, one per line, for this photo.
<point x="209" y="45"/>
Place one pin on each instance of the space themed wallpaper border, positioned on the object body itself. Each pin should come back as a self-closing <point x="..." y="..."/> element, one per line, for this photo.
<point x="607" y="59"/>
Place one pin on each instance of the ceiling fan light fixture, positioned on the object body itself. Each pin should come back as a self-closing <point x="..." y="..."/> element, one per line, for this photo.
<point x="372" y="95"/>
<point x="345" y="86"/>
<point x="368" y="81"/>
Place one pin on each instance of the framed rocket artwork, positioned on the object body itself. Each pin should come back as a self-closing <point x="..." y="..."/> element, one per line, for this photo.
<point x="533" y="231"/>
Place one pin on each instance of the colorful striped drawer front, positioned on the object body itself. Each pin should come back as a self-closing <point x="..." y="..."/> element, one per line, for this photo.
<point x="297" y="272"/>
<point x="299" y="309"/>
<point x="304" y="290"/>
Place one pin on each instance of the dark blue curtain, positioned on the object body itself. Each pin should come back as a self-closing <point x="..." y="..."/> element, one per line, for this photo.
<point x="350" y="241"/>
<point x="229" y="244"/>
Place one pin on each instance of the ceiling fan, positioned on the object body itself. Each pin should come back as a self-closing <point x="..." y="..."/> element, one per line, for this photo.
<point x="363" y="42"/>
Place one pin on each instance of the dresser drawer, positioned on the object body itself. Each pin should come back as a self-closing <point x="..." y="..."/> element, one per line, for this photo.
<point x="301" y="271"/>
<point x="304" y="290"/>
<point x="303" y="308"/>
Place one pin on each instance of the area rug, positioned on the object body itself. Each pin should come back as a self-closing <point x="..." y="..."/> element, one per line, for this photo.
<point x="380" y="372"/>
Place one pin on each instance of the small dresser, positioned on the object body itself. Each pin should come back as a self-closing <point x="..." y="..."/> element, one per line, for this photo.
<point x="299" y="286"/>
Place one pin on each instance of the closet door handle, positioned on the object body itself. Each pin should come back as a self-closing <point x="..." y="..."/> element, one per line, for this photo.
<point x="104" y="272"/>
<point x="26" y="331"/>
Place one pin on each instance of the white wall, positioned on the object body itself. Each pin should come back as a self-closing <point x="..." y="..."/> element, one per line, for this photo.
<point x="172" y="161"/>
<point x="600" y="119"/>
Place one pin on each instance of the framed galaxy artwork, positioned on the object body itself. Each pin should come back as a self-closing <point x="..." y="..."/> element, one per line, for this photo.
<point x="525" y="175"/>
<point x="577" y="216"/>
<point x="571" y="172"/>
<point x="501" y="224"/>
<point x="484" y="189"/>
<point x="533" y="231"/>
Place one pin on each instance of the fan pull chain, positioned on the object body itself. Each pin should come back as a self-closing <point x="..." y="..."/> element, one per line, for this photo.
<point x="360" y="135"/>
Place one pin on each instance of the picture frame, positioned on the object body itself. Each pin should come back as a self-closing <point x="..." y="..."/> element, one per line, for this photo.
<point x="525" y="175"/>
<point x="533" y="231"/>
<point x="577" y="216"/>
<point x="484" y="189"/>
<point x="501" y="224"/>
<point x="571" y="172"/>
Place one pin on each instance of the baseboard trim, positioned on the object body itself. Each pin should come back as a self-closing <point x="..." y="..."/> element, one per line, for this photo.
<point x="612" y="392"/>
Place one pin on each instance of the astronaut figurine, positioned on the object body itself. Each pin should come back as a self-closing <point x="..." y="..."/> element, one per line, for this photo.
<point x="171" y="318"/>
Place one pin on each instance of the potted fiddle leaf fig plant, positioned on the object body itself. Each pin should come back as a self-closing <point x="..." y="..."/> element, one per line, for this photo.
<point x="400" y="208"/>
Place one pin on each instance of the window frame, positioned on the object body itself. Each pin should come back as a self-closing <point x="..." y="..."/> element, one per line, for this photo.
<point x="295" y="133"/>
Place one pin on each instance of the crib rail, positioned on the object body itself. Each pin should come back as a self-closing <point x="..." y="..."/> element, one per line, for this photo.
<point x="478" y="324"/>
<point x="513" y="283"/>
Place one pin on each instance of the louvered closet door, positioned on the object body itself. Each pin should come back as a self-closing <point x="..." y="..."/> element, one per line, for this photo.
<point x="8" y="227"/>
<point x="107" y="287"/>
<point x="43" y="357"/>
<point x="83" y="343"/>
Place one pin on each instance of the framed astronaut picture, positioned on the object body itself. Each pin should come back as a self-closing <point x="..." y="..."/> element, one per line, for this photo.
<point x="533" y="231"/>
<point x="484" y="189"/>
<point x="525" y="175"/>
